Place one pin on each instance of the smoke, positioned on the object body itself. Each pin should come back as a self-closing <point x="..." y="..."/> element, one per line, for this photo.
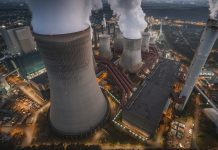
<point x="52" y="17"/>
<point x="213" y="9"/>
<point x="131" y="17"/>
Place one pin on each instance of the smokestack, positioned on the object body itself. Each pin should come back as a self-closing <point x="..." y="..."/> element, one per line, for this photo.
<point x="132" y="24"/>
<point x="146" y="41"/>
<point x="105" y="49"/>
<point x="78" y="106"/>
<point x="131" y="59"/>
<point x="208" y="39"/>
<point x="213" y="9"/>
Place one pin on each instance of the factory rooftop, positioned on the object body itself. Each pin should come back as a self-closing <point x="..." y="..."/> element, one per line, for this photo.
<point x="146" y="107"/>
<point x="41" y="79"/>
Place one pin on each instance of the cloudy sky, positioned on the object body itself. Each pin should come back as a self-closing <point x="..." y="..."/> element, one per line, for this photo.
<point x="178" y="1"/>
<point x="195" y="2"/>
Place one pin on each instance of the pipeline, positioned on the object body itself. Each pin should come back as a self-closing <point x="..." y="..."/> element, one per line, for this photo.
<point x="124" y="98"/>
<point x="123" y="77"/>
<point x="116" y="74"/>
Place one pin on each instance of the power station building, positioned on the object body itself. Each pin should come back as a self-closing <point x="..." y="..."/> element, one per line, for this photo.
<point x="41" y="84"/>
<point x="145" y="109"/>
<point x="19" y="40"/>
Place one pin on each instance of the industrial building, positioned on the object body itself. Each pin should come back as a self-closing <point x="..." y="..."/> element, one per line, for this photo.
<point x="41" y="84"/>
<point x="4" y="86"/>
<point x="27" y="64"/>
<point x="3" y="45"/>
<point x="145" y="109"/>
<point x="19" y="40"/>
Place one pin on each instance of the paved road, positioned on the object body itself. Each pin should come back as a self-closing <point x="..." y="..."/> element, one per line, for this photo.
<point x="31" y="94"/>
<point x="30" y="130"/>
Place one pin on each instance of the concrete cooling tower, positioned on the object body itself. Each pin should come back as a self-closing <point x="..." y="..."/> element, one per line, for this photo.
<point x="118" y="39"/>
<point x="105" y="49"/>
<point x="131" y="59"/>
<point x="146" y="36"/>
<point x="78" y="106"/>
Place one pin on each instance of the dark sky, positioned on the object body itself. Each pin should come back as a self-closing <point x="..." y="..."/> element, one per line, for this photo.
<point x="195" y="2"/>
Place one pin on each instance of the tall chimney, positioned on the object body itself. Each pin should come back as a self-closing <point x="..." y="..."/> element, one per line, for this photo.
<point x="145" y="41"/>
<point x="105" y="49"/>
<point x="77" y="103"/>
<point x="208" y="39"/>
<point x="131" y="59"/>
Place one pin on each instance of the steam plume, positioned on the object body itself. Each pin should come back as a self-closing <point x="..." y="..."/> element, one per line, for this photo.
<point x="213" y="9"/>
<point x="131" y="20"/>
<point x="52" y="17"/>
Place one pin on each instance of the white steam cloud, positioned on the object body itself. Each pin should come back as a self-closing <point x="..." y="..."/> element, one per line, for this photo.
<point x="213" y="9"/>
<point x="53" y="17"/>
<point x="131" y="17"/>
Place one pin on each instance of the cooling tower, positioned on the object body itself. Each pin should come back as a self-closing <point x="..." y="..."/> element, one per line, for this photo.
<point x="105" y="49"/>
<point x="78" y="105"/>
<point x="131" y="59"/>
<point x="118" y="39"/>
<point x="145" y="41"/>
<point x="208" y="39"/>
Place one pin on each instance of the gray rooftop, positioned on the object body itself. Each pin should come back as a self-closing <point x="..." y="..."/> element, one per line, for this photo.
<point x="145" y="108"/>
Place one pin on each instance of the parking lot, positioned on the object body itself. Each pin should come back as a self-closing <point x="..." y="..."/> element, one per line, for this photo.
<point x="180" y="133"/>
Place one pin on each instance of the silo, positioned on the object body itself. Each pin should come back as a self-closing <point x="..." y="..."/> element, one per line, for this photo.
<point x="145" y="41"/>
<point x="131" y="59"/>
<point x="78" y="105"/>
<point x="105" y="49"/>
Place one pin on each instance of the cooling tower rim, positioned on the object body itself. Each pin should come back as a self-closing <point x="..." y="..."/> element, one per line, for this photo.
<point x="104" y="36"/>
<point x="69" y="36"/>
<point x="146" y="34"/>
<point x="128" y="39"/>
